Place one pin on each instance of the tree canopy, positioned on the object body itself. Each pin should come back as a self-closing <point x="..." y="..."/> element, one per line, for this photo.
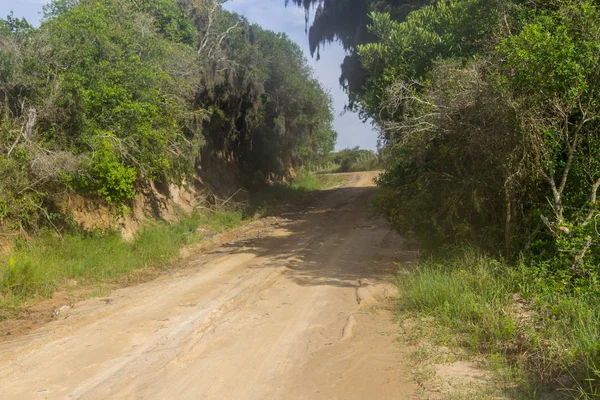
<point x="109" y="94"/>
<point x="346" y="22"/>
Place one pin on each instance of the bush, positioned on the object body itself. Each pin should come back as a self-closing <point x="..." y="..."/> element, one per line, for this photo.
<point x="305" y="181"/>
<point x="109" y="178"/>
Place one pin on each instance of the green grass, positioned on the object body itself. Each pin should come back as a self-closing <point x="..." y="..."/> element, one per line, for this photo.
<point x="548" y="339"/>
<point x="306" y="181"/>
<point x="38" y="267"/>
<point x="464" y="296"/>
<point x="303" y="184"/>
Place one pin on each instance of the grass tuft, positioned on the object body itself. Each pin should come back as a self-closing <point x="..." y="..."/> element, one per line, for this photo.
<point x="38" y="267"/>
<point x="307" y="181"/>
<point x="549" y="340"/>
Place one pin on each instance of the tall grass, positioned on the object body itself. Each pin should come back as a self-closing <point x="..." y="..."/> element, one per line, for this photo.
<point x="550" y="338"/>
<point x="36" y="268"/>
<point x="307" y="181"/>
<point x="465" y="295"/>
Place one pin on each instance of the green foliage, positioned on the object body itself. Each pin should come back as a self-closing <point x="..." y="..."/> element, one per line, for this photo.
<point x="408" y="49"/>
<point x="350" y="160"/>
<point x="15" y="26"/>
<point x="117" y="86"/>
<point x="108" y="177"/>
<point x="507" y="310"/>
<point x="489" y="117"/>
<point x="550" y="68"/>
<point x="276" y="114"/>
<point x="451" y="158"/>
<point x="107" y="95"/>
<point x="37" y="267"/>
<point x="171" y="20"/>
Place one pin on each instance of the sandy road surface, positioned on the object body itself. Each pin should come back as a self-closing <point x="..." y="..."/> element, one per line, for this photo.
<point x="276" y="317"/>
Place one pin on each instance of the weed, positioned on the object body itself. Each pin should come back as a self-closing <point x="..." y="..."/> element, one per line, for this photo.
<point x="306" y="181"/>
<point x="536" y="338"/>
<point x="39" y="266"/>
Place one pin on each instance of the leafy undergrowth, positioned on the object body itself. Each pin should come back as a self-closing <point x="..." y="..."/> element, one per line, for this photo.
<point x="539" y="339"/>
<point x="38" y="267"/>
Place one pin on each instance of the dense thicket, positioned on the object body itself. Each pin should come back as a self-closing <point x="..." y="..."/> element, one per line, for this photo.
<point x="492" y="107"/>
<point x="107" y="95"/>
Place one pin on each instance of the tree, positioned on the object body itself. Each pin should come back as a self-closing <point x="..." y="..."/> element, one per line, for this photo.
<point x="551" y="68"/>
<point x="108" y="95"/>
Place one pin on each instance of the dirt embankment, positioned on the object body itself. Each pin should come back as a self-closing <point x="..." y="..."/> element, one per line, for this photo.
<point x="302" y="310"/>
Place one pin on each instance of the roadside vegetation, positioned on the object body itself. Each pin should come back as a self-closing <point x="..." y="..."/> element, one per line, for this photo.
<point x="349" y="160"/>
<point x="537" y="336"/>
<point x="36" y="268"/>
<point x="307" y="181"/>
<point x="490" y="110"/>
<point x="107" y="96"/>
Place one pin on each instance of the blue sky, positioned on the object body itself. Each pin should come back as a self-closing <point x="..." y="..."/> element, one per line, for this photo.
<point x="30" y="9"/>
<point x="273" y="15"/>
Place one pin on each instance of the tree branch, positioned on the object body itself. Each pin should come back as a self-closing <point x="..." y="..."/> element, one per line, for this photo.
<point x="571" y="153"/>
<point x="558" y="208"/>
<point x="593" y="198"/>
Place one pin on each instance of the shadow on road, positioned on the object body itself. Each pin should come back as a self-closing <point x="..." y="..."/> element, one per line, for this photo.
<point x="331" y="237"/>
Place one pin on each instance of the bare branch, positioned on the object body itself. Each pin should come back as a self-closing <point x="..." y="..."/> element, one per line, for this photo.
<point x="592" y="200"/>
<point x="571" y="153"/>
<point x="557" y="204"/>
<point x="579" y="257"/>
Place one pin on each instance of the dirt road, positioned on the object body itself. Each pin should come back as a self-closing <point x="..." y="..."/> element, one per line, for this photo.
<point x="297" y="313"/>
